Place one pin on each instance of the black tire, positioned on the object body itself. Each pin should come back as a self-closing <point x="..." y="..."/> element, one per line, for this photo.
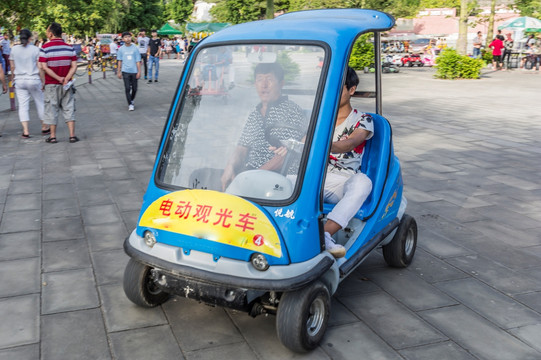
<point x="420" y="64"/>
<point x="139" y="288"/>
<point x="528" y="65"/>
<point x="409" y="63"/>
<point x="399" y="252"/>
<point x="302" y="317"/>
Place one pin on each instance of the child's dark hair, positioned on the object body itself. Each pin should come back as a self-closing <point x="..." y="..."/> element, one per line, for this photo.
<point x="351" y="78"/>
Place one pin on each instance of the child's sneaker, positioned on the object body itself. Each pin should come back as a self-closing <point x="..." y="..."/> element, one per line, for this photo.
<point x="335" y="249"/>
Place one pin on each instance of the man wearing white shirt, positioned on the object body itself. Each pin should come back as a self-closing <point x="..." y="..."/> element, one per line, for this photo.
<point x="142" y="44"/>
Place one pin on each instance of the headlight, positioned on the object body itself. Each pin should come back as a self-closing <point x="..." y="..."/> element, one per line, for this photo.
<point x="149" y="237"/>
<point x="259" y="262"/>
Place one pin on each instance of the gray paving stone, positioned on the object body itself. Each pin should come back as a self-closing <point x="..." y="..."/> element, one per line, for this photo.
<point x="74" y="335"/>
<point x="148" y="343"/>
<point x="214" y="325"/>
<point x="118" y="173"/>
<point x="27" y="352"/>
<point x="119" y="187"/>
<point x="60" y="208"/>
<point x="444" y="227"/>
<point x="58" y="191"/>
<point x="121" y="314"/>
<point x="100" y="214"/>
<point x="503" y="215"/>
<point x="409" y="289"/>
<point x="57" y="178"/>
<point x="65" y="255"/>
<point x="19" y="245"/>
<point x="130" y="219"/>
<point x="93" y="197"/>
<point x="432" y="269"/>
<point x="440" y="246"/>
<point x="355" y="284"/>
<point x="356" y="341"/>
<point x="106" y="236"/>
<point x="495" y="275"/>
<point x="530" y="335"/>
<point x="510" y="235"/>
<point x="340" y="315"/>
<point x="531" y="300"/>
<point x="62" y="229"/>
<point x="129" y="202"/>
<point x="232" y="351"/>
<point x="515" y="181"/>
<point x="95" y="182"/>
<point x="19" y="277"/>
<point x="109" y="266"/>
<point x="20" y="221"/>
<point x="23" y="202"/>
<point x="398" y="326"/>
<point x="68" y="290"/>
<point x="20" y="321"/>
<point x="477" y="335"/>
<point x="446" y="350"/>
<point x="25" y="187"/>
<point x="260" y="334"/>
<point x="489" y="303"/>
<point x="27" y="174"/>
<point x="459" y="198"/>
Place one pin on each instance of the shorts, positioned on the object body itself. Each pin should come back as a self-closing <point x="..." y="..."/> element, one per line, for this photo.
<point x="57" y="99"/>
<point x="497" y="58"/>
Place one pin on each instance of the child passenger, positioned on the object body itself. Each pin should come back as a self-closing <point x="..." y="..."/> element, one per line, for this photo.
<point x="345" y="185"/>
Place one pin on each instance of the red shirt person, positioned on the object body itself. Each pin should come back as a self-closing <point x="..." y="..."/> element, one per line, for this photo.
<point x="59" y="62"/>
<point x="497" y="45"/>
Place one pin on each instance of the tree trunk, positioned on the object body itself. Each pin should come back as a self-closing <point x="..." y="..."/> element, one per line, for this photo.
<point x="490" y="30"/>
<point x="462" y="40"/>
<point x="270" y="9"/>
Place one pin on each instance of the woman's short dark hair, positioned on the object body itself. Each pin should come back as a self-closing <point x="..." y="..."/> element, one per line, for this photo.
<point x="351" y="78"/>
<point x="56" y="29"/>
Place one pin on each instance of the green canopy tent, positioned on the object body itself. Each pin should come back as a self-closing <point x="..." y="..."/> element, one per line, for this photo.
<point x="167" y="29"/>
<point x="206" y="27"/>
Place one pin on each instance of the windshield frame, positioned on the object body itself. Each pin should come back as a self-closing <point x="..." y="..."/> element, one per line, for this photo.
<point x="178" y="106"/>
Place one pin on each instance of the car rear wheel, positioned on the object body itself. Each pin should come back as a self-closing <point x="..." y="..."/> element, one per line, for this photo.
<point x="139" y="286"/>
<point x="302" y="317"/>
<point x="399" y="252"/>
<point x="409" y="63"/>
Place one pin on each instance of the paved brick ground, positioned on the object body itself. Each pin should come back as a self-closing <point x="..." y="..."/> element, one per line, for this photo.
<point x="470" y="153"/>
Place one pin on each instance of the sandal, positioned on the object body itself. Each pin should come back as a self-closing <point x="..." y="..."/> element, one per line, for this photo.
<point x="74" y="139"/>
<point x="46" y="132"/>
<point x="25" y="136"/>
<point x="51" y="140"/>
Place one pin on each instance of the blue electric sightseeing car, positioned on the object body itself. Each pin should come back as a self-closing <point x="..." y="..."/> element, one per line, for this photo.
<point x="252" y="239"/>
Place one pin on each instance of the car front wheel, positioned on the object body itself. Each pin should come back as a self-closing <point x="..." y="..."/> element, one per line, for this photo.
<point x="139" y="286"/>
<point x="302" y="317"/>
<point x="399" y="252"/>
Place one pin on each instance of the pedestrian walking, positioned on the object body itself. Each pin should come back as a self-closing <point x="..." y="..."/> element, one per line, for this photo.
<point x="142" y="43"/>
<point x="59" y="62"/>
<point x="129" y="68"/>
<point x="6" y="51"/>
<point x="154" y="53"/>
<point x="28" y="80"/>
<point x="3" y="81"/>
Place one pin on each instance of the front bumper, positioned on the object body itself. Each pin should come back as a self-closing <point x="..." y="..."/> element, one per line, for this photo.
<point x="185" y="271"/>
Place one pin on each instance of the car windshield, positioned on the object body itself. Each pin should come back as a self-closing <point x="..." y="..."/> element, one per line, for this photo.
<point x="243" y="119"/>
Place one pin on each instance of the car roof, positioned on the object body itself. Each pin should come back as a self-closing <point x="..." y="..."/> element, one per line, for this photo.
<point x="328" y="25"/>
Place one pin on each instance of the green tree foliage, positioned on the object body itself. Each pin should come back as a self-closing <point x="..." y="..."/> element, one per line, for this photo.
<point x="362" y="54"/>
<point x="452" y="65"/>
<point x="237" y="11"/>
<point x="179" y="10"/>
<point x="145" y="14"/>
<point x="529" y="8"/>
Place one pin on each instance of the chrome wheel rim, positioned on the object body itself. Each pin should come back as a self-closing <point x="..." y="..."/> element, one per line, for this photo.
<point x="410" y="241"/>
<point x="316" y="318"/>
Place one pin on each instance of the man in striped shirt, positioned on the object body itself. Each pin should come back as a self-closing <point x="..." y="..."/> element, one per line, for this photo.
<point x="59" y="62"/>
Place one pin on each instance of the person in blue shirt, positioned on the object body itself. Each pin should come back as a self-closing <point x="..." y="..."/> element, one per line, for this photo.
<point x="129" y="68"/>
